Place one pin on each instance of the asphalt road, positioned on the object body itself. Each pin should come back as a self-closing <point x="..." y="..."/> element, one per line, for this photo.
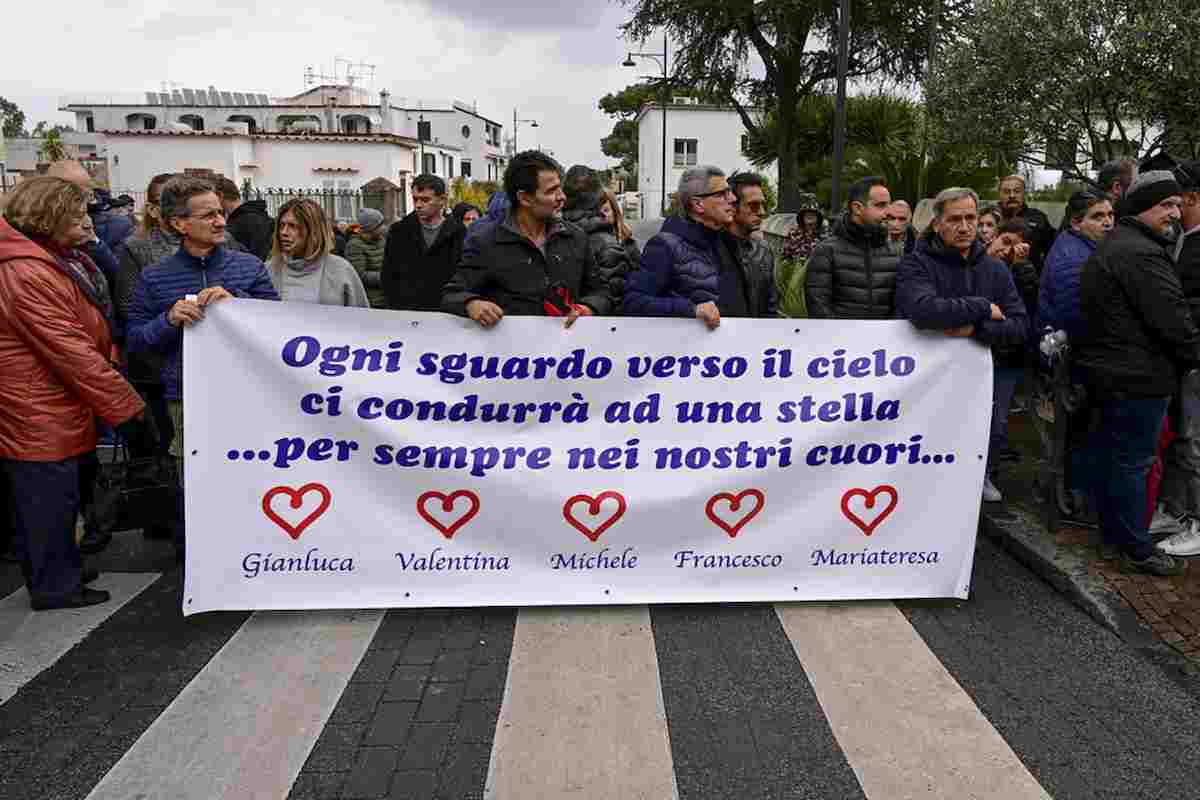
<point x="746" y="708"/>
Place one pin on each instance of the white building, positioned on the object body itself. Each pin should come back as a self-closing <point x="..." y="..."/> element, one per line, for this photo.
<point x="341" y="109"/>
<point x="288" y="161"/>
<point x="696" y="135"/>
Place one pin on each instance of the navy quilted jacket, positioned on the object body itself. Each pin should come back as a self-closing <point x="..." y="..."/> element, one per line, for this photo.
<point x="1059" y="293"/>
<point x="172" y="279"/>
<point x="937" y="289"/>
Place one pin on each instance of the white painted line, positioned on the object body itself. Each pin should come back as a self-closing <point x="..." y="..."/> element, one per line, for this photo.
<point x="246" y="723"/>
<point x="907" y="728"/>
<point x="31" y="641"/>
<point x="582" y="715"/>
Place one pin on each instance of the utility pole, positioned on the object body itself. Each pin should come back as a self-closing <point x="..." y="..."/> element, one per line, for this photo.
<point x="517" y="124"/>
<point x="839" y="115"/>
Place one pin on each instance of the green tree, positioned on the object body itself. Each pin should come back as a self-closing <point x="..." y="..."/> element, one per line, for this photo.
<point x="795" y="42"/>
<point x="884" y="137"/>
<point x="53" y="149"/>
<point x="12" y="120"/>
<point x="43" y="127"/>
<point x="622" y="142"/>
<point x="1063" y="85"/>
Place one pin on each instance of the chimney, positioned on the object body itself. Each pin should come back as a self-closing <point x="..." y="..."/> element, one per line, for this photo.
<point x="385" y="111"/>
<point x="330" y="102"/>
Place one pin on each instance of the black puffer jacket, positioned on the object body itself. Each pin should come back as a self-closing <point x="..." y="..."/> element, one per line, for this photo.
<point x="1139" y="335"/>
<point x="852" y="274"/>
<point x="500" y="264"/>
<point x="614" y="258"/>
<point x="251" y="225"/>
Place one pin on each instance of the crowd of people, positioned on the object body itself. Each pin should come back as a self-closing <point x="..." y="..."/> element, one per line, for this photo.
<point x="92" y="313"/>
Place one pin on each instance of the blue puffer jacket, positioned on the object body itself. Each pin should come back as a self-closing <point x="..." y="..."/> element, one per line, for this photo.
<point x="680" y="269"/>
<point x="1059" y="294"/>
<point x="938" y="289"/>
<point x="170" y="280"/>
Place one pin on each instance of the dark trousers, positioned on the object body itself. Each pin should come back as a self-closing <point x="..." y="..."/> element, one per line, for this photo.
<point x="1123" y="449"/>
<point x="45" y="498"/>
<point x="164" y="429"/>
<point x="1180" y="491"/>
<point x="1004" y="384"/>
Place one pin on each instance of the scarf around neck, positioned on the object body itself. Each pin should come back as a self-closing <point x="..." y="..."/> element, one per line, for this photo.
<point x="77" y="266"/>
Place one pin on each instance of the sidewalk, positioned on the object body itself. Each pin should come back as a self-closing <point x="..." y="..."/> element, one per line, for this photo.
<point x="1160" y="616"/>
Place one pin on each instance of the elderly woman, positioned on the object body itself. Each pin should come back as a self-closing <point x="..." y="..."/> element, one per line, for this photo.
<point x="56" y="354"/>
<point x="303" y="266"/>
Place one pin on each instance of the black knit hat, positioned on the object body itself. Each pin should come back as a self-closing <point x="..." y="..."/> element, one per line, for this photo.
<point x="1148" y="190"/>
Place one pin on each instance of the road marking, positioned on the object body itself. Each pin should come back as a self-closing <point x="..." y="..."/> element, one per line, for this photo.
<point x="906" y="726"/>
<point x="582" y="715"/>
<point x="247" y="722"/>
<point x="32" y="641"/>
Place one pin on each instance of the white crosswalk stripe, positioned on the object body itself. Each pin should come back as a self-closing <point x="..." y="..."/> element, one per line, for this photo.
<point x="244" y="726"/>
<point x="582" y="714"/>
<point x="903" y="722"/>
<point x="582" y="696"/>
<point x="31" y="641"/>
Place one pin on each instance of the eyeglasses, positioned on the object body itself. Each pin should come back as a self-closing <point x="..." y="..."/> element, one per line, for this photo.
<point x="726" y="192"/>
<point x="209" y="216"/>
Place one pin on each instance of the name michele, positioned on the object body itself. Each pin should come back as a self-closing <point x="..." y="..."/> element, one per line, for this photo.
<point x="313" y="561"/>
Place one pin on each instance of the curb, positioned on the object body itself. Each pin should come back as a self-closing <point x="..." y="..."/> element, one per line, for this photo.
<point x="1023" y="535"/>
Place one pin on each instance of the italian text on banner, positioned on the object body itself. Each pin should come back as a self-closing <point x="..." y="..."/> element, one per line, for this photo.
<point x="344" y="458"/>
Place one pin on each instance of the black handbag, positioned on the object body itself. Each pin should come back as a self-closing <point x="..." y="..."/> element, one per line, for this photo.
<point x="133" y="493"/>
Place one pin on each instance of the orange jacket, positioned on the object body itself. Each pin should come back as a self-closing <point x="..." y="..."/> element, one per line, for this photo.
<point x="55" y="372"/>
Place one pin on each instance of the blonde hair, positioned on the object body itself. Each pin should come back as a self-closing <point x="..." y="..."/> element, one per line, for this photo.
<point x="318" y="233"/>
<point x="624" y="232"/>
<point x="42" y="206"/>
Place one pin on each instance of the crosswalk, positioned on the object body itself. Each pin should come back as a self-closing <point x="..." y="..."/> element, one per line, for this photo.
<point x="839" y="701"/>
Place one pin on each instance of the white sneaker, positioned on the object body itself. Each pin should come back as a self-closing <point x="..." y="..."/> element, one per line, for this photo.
<point x="1183" y="544"/>
<point x="990" y="493"/>
<point x="1164" y="523"/>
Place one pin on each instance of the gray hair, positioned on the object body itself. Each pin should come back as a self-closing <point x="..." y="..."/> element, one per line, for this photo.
<point x="173" y="202"/>
<point x="952" y="195"/>
<point x="694" y="182"/>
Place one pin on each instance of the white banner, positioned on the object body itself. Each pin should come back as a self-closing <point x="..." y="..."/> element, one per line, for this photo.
<point x="342" y="458"/>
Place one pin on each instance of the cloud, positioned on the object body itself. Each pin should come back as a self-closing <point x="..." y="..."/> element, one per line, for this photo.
<point x="551" y="62"/>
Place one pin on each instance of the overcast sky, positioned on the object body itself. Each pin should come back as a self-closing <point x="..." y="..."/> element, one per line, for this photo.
<point x="550" y="60"/>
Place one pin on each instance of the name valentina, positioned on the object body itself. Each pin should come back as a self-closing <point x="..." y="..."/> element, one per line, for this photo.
<point x="436" y="562"/>
<point x="313" y="561"/>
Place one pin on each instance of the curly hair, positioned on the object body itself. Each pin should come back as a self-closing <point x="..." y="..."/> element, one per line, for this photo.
<point x="42" y="206"/>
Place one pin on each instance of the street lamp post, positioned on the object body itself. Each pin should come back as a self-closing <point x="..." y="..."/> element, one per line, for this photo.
<point x="516" y="124"/>
<point x="839" y="114"/>
<point x="629" y="62"/>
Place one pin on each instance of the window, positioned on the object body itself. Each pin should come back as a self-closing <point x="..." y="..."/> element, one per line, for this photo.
<point x="685" y="152"/>
<point x="90" y="124"/>
<point x="745" y="143"/>
<point x="448" y="163"/>
<point x="466" y="131"/>
<point x="429" y="167"/>
<point x="465" y="168"/>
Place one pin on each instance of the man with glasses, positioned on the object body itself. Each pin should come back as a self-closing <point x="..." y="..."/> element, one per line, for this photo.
<point x="692" y="267"/>
<point x="174" y="294"/>
<point x="755" y="258"/>
<point x="852" y="274"/>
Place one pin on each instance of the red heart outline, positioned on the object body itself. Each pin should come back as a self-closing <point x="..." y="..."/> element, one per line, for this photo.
<point x="735" y="502"/>
<point x="594" y="509"/>
<point x="870" y="498"/>
<point x="296" y="500"/>
<point x="448" y="506"/>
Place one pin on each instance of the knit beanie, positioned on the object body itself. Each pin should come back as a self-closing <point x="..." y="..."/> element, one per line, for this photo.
<point x="582" y="188"/>
<point x="1148" y="190"/>
<point x="369" y="219"/>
